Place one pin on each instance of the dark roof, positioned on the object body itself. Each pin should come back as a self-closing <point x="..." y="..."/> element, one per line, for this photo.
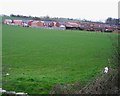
<point x="62" y="23"/>
<point x="48" y="22"/>
<point x="26" y="21"/>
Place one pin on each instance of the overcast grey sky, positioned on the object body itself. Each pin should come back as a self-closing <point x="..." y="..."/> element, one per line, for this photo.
<point x="84" y="9"/>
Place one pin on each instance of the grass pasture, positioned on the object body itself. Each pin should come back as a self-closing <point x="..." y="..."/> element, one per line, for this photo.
<point x="38" y="59"/>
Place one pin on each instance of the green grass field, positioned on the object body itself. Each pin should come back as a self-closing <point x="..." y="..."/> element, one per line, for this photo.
<point x="38" y="59"/>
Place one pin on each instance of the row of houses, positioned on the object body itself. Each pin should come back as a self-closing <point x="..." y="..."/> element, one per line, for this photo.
<point x="34" y="23"/>
<point x="101" y="27"/>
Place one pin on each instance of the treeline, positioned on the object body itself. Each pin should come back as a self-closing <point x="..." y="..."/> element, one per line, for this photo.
<point x="45" y="18"/>
<point x="113" y="21"/>
<point x="22" y="16"/>
<point x="48" y="18"/>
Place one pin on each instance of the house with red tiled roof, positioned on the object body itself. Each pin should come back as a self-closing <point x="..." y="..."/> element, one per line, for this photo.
<point x="17" y="22"/>
<point x="37" y="24"/>
<point x="26" y="23"/>
<point x="72" y="25"/>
